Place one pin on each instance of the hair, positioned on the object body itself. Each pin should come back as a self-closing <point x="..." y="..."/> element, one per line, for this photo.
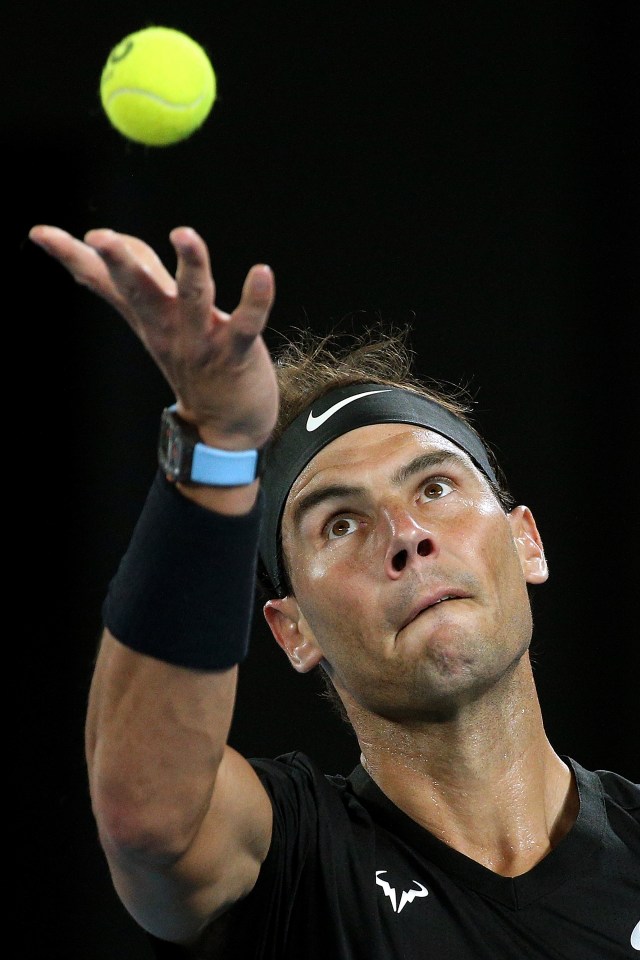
<point x="311" y="365"/>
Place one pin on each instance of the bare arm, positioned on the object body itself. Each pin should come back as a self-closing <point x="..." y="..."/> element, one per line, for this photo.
<point x="183" y="820"/>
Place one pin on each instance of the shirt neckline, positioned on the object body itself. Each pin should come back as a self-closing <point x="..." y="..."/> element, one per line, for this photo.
<point x="560" y="865"/>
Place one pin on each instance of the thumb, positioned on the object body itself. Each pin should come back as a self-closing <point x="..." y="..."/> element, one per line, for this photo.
<point x="258" y="294"/>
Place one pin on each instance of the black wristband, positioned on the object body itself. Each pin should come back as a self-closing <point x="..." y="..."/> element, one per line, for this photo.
<point x="184" y="590"/>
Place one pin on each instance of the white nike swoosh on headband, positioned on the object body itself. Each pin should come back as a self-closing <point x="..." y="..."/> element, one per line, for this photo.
<point x="314" y="422"/>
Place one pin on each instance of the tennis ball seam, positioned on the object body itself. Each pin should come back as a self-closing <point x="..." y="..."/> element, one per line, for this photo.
<point x="156" y="98"/>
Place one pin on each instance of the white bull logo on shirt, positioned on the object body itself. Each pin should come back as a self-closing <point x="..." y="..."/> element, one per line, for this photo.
<point x="407" y="895"/>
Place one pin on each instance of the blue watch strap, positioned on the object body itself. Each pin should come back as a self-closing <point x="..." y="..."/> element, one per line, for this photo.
<point x="223" y="468"/>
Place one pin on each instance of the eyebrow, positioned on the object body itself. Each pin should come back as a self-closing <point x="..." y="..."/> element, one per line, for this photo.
<point x="311" y="500"/>
<point x="424" y="461"/>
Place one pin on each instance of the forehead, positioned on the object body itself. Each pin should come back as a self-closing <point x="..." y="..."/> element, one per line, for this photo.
<point x="355" y="454"/>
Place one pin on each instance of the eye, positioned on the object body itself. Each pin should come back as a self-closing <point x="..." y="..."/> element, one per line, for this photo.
<point x="341" y="527"/>
<point x="436" y="488"/>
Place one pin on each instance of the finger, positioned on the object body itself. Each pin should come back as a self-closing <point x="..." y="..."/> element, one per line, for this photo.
<point x="136" y="271"/>
<point x="194" y="281"/>
<point x="83" y="263"/>
<point x="249" y="318"/>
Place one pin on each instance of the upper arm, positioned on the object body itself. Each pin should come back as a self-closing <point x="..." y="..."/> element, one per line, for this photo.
<point x="220" y="866"/>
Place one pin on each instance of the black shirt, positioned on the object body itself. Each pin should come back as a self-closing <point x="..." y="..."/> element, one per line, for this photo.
<point x="349" y="876"/>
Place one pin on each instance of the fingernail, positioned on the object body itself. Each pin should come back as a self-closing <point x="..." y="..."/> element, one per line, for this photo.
<point x="262" y="278"/>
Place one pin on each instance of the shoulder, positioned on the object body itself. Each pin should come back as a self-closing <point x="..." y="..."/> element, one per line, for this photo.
<point x="619" y="798"/>
<point x="311" y="808"/>
<point x="614" y="787"/>
<point x="295" y="776"/>
<point x="294" y="764"/>
<point x="620" y="791"/>
<point x="622" y="805"/>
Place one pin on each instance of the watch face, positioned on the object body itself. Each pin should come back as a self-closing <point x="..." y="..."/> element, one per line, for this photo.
<point x="175" y="447"/>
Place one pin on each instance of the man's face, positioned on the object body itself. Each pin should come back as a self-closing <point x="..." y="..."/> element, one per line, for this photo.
<point x="409" y="578"/>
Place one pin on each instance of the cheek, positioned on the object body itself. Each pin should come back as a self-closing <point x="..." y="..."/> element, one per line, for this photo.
<point x="332" y="568"/>
<point x="317" y="569"/>
<point x="305" y="571"/>
<point x="332" y="597"/>
<point x="330" y="589"/>
<point x="502" y="562"/>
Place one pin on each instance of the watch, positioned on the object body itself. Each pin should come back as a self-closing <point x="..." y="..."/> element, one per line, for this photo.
<point x="186" y="459"/>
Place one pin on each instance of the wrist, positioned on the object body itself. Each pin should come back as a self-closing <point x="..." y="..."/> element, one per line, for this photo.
<point x="184" y="590"/>
<point x="184" y="457"/>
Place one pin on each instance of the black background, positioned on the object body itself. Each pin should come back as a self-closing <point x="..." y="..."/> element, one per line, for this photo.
<point x="470" y="168"/>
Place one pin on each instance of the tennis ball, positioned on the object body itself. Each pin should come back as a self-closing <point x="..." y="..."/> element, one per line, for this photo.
<point x="157" y="86"/>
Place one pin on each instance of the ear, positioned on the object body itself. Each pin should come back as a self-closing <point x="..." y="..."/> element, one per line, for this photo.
<point x="529" y="545"/>
<point x="293" y="634"/>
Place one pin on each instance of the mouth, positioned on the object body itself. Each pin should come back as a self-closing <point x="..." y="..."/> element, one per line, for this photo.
<point x="428" y="603"/>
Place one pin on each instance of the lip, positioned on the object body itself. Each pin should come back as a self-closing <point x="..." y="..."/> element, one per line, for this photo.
<point x="436" y="597"/>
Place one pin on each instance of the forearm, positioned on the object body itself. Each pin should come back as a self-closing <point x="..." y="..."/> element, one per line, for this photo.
<point x="155" y="735"/>
<point x="177" y="616"/>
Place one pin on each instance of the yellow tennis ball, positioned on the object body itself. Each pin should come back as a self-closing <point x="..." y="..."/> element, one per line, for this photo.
<point x="157" y="86"/>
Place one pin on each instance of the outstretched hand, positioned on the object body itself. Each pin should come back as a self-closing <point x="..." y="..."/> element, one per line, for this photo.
<point x="216" y="363"/>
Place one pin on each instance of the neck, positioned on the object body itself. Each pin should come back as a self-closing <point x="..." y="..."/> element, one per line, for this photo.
<point x="485" y="781"/>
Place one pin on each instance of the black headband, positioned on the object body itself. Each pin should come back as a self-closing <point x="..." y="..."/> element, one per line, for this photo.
<point x="338" y="412"/>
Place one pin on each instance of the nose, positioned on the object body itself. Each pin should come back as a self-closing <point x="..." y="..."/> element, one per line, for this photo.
<point x="409" y="541"/>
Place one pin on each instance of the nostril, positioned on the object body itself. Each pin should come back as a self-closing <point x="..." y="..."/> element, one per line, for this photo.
<point x="399" y="561"/>
<point x="424" y="548"/>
